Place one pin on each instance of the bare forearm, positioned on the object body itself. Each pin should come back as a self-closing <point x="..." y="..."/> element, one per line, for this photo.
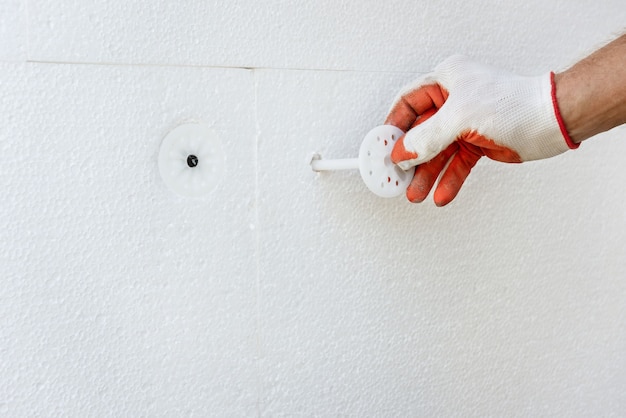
<point x="592" y="94"/>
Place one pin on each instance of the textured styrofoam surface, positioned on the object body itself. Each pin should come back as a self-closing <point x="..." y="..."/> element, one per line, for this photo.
<point x="117" y="297"/>
<point x="13" y="30"/>
<point x="327" y="34"/>
<point x="510" y="300"/>
<point x="286" y="292"/>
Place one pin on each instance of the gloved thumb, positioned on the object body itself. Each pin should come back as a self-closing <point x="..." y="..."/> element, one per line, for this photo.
<point x="425" y="140"/>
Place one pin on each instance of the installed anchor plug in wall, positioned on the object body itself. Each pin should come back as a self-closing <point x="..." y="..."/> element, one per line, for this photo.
<point x="380" y="174"/>
<point x="191" y="160"/>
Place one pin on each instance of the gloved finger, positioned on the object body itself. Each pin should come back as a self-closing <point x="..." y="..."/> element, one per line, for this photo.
<point x="414" y="102"/>
<point x="426" y="175"/>
<point x="454" y="176"/>
<point x="426" y="140"/>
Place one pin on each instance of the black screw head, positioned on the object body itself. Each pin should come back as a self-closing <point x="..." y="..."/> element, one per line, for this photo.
<point x="192" y="161"/>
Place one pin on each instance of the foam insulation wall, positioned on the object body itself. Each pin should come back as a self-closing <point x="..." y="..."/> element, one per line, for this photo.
<point x="286" y="293"/>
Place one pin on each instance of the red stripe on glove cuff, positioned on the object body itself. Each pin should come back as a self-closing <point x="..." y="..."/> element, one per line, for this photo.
<point x="568" y="140"/>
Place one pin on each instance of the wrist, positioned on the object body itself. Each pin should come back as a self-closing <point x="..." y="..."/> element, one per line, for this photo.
<point x="568" y="109"/>
<point x="592" y="93"/>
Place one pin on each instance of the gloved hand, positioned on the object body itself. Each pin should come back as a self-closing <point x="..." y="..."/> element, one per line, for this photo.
<point x="465" y="110"/>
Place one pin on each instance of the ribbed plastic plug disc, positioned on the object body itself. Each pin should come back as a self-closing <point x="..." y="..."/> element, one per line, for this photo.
<point x="191" y="161"/>
<point x="380" y="175"/>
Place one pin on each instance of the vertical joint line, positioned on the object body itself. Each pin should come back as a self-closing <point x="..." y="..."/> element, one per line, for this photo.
<point x="257" y="250"/>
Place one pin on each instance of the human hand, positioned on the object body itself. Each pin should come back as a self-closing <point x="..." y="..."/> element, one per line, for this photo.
<point x="465" y="110"/>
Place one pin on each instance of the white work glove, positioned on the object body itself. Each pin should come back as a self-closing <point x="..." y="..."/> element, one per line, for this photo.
<point x="465" y="110"/>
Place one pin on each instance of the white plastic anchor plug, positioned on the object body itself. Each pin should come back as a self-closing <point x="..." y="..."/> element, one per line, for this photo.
<point x="379" y="173"/>
<point x="191" y="160"/>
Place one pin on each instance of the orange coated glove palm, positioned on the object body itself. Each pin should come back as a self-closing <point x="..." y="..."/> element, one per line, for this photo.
<point x="465" y="110"/>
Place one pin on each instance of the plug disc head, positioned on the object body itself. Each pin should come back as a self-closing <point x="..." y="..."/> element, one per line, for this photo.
<point x="191" y="161"/>
<point x="380" y="175"/>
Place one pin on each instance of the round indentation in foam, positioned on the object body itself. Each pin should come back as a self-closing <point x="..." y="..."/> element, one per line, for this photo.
<point x="191" y="161"/>
<point x="380" y="175"/>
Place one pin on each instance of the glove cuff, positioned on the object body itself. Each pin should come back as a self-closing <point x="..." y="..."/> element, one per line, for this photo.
<point x="568" y="140"/>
